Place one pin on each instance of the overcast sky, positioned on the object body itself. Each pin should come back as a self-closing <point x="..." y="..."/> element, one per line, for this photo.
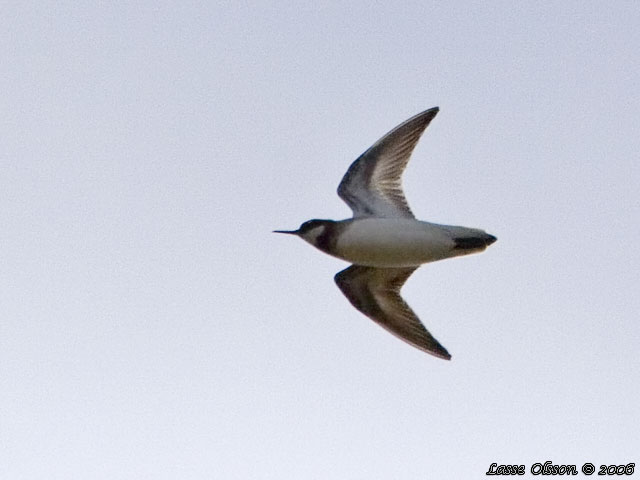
<point x="152" y="326"/>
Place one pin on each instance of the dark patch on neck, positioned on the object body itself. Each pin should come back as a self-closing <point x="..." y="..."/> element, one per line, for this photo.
<point x="327" y="240"/>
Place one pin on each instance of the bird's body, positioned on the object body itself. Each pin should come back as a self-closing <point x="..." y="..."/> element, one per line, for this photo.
<point x="384" y="241"/>
<point x="392" y="242"/>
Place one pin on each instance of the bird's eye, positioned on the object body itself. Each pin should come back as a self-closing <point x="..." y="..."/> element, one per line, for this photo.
<point x="308" y="224"/>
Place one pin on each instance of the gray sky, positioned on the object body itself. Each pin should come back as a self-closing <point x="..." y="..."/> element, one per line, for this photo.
<point x="154" y="328"/>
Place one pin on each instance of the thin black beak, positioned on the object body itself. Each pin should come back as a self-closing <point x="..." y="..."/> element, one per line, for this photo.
<point x="290" y="232"/>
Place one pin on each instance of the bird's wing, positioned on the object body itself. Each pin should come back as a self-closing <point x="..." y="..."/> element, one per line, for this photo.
<point x="376" y="293"/>
<point x="372" y="187"/>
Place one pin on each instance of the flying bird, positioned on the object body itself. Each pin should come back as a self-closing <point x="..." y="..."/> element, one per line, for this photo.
<point x="383" y="240"/>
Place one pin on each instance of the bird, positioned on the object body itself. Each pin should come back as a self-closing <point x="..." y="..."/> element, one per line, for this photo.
<point x="383" y="240"/>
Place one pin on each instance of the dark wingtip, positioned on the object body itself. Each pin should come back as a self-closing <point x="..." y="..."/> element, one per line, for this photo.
<point x="435" y="348"/>
<point x="432" y="111"/>
<point x="442" y="353"/>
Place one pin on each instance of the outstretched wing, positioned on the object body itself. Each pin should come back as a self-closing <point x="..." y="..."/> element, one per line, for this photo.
<point x="372" y="187"/>
<point x="376" y="293"/>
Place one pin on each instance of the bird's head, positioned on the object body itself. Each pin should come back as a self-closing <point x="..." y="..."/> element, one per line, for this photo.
<point x="310" y="230"/>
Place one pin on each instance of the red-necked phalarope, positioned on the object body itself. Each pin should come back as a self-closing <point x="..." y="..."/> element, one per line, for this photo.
<point x="384" y="241"/>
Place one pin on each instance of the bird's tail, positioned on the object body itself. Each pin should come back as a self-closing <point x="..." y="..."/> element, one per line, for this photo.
<point x="474" y="242"/>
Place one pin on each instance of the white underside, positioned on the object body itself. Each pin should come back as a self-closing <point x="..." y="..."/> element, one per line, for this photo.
<point x="397" y="242"/>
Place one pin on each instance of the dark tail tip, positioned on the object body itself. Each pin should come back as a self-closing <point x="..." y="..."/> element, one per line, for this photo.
<point x="474" y="243"/>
